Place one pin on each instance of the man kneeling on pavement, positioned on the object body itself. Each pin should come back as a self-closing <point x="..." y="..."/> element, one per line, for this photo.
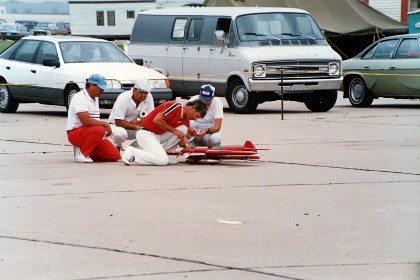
<point x="129" y="110"/>
<point x="207" y="130"/>
<point x="162" y="130"/>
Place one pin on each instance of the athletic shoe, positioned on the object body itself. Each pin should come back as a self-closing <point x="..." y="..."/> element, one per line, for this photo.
<point x="81" y="158"/>
<point x="173" y="162"/>
<point x="129" y="156"/>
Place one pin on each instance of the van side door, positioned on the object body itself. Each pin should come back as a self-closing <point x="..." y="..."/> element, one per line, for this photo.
<point x="175" y="53"/>
<point x="223" y="60"/>
<point x="195" y="57"/>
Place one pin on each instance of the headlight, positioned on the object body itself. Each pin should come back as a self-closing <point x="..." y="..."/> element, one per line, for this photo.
<point x="157" y="83"/>
<point x="259" y="70"/>
<point x="334" y="68"/>
<point x="113" y="84"/>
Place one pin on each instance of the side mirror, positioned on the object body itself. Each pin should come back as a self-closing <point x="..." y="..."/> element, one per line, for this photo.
<point x="51" y="62"/>
<point x="139" y="61"/>
<point x="219" y="37"/>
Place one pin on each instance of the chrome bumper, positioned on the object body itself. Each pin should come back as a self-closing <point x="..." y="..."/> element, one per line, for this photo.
<point x="294" y="85"/>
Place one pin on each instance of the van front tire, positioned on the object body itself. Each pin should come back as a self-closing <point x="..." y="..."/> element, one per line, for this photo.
<point x="240" y="100"/>
<point x="322" y="101"/>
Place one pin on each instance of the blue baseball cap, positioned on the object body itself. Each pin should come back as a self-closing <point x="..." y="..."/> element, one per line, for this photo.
<point x="98" y="80"/>
<point x="206" y="92"/>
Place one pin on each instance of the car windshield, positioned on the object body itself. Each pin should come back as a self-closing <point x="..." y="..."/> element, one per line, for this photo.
<point x="277" y="26"/>
<point x="8" y="27"/>
<point x="44" y="25"/>
<point x="80" y="52"/>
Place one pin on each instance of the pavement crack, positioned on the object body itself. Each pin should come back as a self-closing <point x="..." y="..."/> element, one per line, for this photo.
<point x="120" y="251"/>
<point x="209" y="188"/>
<point x="33" y="142"/>
<point x="343" y="167"/>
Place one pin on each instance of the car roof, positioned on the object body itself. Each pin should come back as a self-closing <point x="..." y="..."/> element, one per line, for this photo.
<point x="31" y="21"/>
<point x="413" y="35"/>
<point x="220" y="11"/>
<point x="62" y="38"/>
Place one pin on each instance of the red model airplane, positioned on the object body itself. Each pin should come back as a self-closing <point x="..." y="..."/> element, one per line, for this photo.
<point x="214" y="155"/>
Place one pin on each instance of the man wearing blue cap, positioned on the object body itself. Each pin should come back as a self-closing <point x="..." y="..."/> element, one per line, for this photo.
<point x="85" y="131"/>
<point x="207" y="130"/>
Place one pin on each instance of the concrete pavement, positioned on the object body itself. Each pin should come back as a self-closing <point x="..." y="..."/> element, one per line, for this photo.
<point x="337" y="196"/>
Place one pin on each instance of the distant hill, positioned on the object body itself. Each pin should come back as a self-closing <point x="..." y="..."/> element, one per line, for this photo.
<point x="17" y="7"/>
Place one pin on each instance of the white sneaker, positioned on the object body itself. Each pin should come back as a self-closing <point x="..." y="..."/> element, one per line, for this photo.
<point x="81" y="158"/>
<point x="129" y="155"/>
<point x="173" y="162"/>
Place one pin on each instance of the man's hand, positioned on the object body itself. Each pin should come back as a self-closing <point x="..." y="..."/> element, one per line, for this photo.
<point x="108" y="129"/>
<point x="179" y="134"/>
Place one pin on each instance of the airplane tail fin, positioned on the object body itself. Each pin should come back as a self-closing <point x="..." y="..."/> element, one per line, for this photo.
<point x="248" y="144"/>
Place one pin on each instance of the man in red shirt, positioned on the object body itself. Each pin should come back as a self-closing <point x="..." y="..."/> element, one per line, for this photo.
<point x="162" y="130"/>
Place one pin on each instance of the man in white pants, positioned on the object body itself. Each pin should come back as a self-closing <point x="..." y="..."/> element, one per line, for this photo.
<point x="129" y="110"/>
<point x="207" y="130"/>
<point x="162" y="130"/>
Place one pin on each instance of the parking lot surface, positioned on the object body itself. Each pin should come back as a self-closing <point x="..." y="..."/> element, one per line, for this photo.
<point x="336" y="196"/>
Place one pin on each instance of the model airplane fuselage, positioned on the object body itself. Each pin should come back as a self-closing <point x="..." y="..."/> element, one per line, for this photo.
<point x="214" y="155"/>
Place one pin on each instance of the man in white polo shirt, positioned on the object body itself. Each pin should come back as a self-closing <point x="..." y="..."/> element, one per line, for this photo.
<point x="128" y="112"/>
<point x="207" y="130"/>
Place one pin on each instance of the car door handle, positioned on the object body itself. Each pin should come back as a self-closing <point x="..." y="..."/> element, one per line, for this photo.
<point x="366" y="67"/>
<point x="392" y="68"/>
<point x="8" y="67"/>
<point x="33" y="71"/>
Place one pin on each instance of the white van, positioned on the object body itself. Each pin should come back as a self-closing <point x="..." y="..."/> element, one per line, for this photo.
<point x="251" y="55"/>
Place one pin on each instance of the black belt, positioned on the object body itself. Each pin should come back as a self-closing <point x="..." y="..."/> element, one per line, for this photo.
<point x="143" y="128"/>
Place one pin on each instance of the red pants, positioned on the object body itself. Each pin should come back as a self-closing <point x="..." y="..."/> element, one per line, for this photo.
<point x="91" y="143"/>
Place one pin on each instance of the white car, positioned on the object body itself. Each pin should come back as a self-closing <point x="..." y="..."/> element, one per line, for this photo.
<point x="51" y="69"/>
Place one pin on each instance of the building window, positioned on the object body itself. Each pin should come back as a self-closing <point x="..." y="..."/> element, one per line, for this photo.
<point x="111" y="18"/>
<point x="130" y="14"/>
<point x="100" y="20"/>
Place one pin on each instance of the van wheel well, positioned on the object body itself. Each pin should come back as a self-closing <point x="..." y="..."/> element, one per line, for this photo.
<point x="240" y="100"/>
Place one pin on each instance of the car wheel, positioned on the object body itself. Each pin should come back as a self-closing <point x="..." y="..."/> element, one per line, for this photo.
<point x="240" y="100"/>
<point x="70" y="92"/>
<point x="359" y="95"/>
<point x="8" y="104"/>
<point x="321" y="101"/>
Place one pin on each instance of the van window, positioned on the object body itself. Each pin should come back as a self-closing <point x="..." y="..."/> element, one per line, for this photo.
<point x="224" y="24"/>
<point x="194" y="30"/>
<point x="179" y="29"/>
<point x="268" y="26"/>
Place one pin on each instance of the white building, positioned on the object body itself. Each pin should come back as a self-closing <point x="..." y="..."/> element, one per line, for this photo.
<point x="391" y="8"/>
<point x="112" y="19"/>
